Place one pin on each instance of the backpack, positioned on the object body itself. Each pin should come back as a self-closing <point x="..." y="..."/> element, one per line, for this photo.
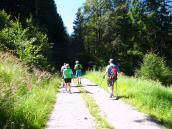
<point x="78" y="67"/>
<point x="112" y="73"/>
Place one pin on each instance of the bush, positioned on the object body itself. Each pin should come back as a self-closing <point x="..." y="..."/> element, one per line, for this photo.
<point x="4" y="19"/>
<point x="29" y="44"/>
<point x="154" y="67"/>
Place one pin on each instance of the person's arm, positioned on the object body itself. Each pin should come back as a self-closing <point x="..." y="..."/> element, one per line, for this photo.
<point x="64" y="73"/>
<point x="106" y="71"/>
<point x="71" y="72"/>
<point x="81" y="66"/>
<point x="75" y="67"/>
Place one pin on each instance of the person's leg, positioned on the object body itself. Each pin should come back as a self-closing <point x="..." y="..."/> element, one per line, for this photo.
<point x="69" y="84"/>
<point x="112" y="90"/>
<point x="62" y="81"/>
<point x="79" y="80"/>
<point x="65" y="84"/>
<point x="109" y="87"/>
<point x="113" y="83"/>
<point x="80" y="77"/>
<point x="77" y="75"/>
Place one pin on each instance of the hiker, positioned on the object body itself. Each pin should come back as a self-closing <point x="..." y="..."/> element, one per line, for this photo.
<point x="78" y="67"/>
<point x="67" y="73"/>
<point x="63" y="67"/>
<point x="61" y="70"/>
<point x="111" y="72"/>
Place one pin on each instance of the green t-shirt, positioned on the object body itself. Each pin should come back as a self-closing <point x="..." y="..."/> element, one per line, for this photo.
<point x="67" y="73"/>
<point x="78" y="67"/>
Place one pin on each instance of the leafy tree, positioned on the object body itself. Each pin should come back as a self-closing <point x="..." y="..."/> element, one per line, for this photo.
<point x="76" y="47"/>
<point x="126" y="30"/>
<point x="155" y="68"/>
<point x="45" y="16"/>
<point x="29" y="44"/>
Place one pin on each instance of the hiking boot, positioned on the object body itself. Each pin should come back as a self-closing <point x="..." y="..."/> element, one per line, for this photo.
<point x="114" y="97"/>
<point x="111" y="96"/>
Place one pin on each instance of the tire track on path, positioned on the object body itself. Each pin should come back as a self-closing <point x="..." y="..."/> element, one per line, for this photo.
<point x="119" y="114"/>
<point x="70" y="112"/>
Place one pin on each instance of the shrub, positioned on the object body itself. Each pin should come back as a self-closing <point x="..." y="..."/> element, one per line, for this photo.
<point x="4" y="19"/>
<point x="26" y="97"/>
<point x="154" y="67"/>
<point x="29" y="44"/>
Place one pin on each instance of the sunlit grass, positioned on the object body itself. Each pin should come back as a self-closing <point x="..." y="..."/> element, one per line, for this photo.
<point x="148" y="96"/>
<point x="26" y="98"/>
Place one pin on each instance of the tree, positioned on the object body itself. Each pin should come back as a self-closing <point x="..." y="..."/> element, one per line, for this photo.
<point x="76" y="48"/>
<point x="45" y="16"/>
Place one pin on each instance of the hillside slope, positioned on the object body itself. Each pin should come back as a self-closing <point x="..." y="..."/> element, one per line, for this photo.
<point x="26" y="94"/>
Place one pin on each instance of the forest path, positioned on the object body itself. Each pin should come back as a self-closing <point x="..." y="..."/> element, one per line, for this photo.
<point x="119" y="114"/>
<point x="70" y="112"/>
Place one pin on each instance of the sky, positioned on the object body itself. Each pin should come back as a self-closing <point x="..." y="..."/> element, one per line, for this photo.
<point x="67" y="9"/>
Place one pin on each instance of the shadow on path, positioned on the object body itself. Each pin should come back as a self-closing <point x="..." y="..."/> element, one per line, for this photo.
<point x="91" y="85"/>
<point x="120" y="97"/>
<point x="149" y="118"/>
<point x="77" y="86"/>
<point x="81" y="92"/>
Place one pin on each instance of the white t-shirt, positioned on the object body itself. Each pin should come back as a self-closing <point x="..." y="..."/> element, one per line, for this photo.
<point x="62" y="68"/>
<point x="109" y="67"/>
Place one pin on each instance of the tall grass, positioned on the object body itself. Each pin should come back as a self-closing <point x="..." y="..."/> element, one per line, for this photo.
<point x="26" y="95"/>
<point x="148" y="96"/>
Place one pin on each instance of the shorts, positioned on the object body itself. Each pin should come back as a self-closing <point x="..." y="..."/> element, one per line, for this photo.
<point x="67" y="80"/>
<point x="110" y="82"/>
<point x="78" y="73"/>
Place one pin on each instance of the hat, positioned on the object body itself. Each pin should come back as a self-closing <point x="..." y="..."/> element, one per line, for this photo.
<point x="111" y="60"/>
<point x="76" y="61"/>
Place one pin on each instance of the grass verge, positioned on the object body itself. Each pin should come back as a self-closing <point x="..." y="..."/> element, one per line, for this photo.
<point x="148" y="96"/>
<point x="27" y="95"/>
<point x="94" y="110"/>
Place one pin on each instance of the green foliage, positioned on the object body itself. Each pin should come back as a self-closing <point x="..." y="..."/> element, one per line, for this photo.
<point x="45" y="16"/>
<point x="26" y="98"/>
<point x="29" y="44"/>
<point x="148" y="96"/>
<point x="155" y="68"/>
<point x="4" y="19"/>
<point x="125" y="30"/>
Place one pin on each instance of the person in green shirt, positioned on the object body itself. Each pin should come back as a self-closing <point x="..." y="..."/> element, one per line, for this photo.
<point x="67" y="74"/>
<point x="78" y="67"/>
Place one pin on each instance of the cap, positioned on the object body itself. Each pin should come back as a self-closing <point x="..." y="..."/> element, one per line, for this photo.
<point x="77" y="62"/>
<point x="111" y="60"/>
